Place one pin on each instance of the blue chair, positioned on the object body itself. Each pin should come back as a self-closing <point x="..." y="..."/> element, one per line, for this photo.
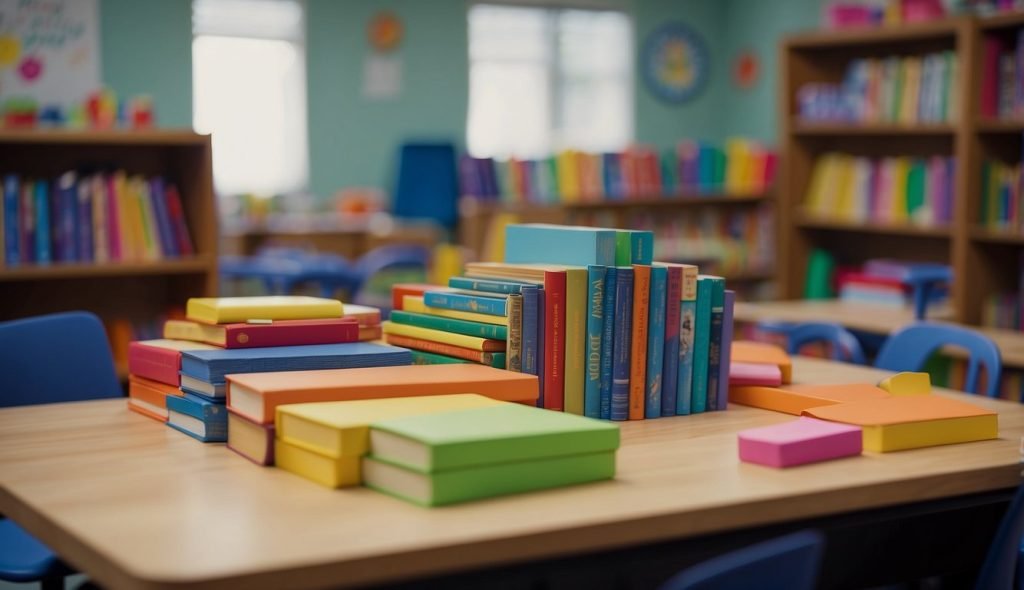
<point x="428" y="186"/>
<point x="787" y="563"/>
<point x="924" y="280"/>
<point x="908" y="349"/>
<point x="1004" y="555"/>
<point x="844" y="345"/>
<point x="62" y="357"/>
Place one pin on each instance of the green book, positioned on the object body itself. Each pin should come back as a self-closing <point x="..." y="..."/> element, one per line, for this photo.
<point x="915" y="188"/>
<point x="498" y="434"/>
<point x="434" y="322"/>
<point x="420" y="357"/>
<point x="486" y="481"/>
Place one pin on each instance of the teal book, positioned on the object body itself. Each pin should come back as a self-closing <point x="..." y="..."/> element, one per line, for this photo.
<point x="436" y="322"/>
<point x="608" y="341"/>
<point x="633" y="246"/>
<point x="199" y="418"/>
<point x="687" y="325"/>
<point x="595" y="330"/>
<point x="496" y="305"/>
<point x="557" y="244"/>
<point x="655" y="342"/>
<point x="716" y="338"/>
<point x="701" y="344"/>
<point x="44" y="255"/>
<point x="486" y="285"/>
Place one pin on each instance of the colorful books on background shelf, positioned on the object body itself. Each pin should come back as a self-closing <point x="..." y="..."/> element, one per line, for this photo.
<point x="1001" y="197"/>
<point x="899" y="190"/>
<point x="907" y="90"/>
<point x="1002" y="77"/>
<point x="1005" y="310"/>
<point x="92" y="217"/>
<point x="885" y="282"/>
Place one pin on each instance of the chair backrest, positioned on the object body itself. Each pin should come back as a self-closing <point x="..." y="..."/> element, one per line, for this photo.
<point x="786" y="563"/>
<point x="997" y="572"/>
<point x="427" y="186"/>
<point x="61" y="357"/>
<point x="845" y="346"/>
<point x="908" y="349"/>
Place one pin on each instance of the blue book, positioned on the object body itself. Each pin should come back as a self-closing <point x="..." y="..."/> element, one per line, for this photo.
<point x="83" y="220"/>
<point x="487" y="285"/>
<point x="727" y="332"/>
<point x="641" y="244"/>
<point x="42" y="225"/>
<point x="212" y="391"/>
<point x="12" y="236"/>
<point x="623" y="334"/>
<point x="212" y="365"/>
<point x="595" y="330"/>
<point x="199" y="418"/>
<point x="608" y="341"/>
<point x="715" y="344"/>
<point x="541" y="362"/>
<point x="558" y="244"/>
<point x="670" y="358"/>
<point x="66" y="193"/>
<point x="687" y="326"/>
<point x="463" y="302"/>
<point x="164" y="229"/>
<point x="531" y="329"/>
<point x="701" y="344"/>
<point x="655" y="342"/>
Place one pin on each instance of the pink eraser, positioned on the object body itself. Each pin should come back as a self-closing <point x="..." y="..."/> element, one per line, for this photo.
<point x="804" y="440"/>
<point x="755" y="374"/>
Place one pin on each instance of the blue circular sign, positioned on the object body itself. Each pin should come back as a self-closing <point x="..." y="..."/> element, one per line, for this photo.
<point x="675" y="63"/>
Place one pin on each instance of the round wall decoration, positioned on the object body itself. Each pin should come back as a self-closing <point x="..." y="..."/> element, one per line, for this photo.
<point x="675" y="63"/>
<point x="385" y="31"/>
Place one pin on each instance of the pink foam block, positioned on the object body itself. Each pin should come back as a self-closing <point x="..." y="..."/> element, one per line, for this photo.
<point x="755" y="374"/>
<point x="804" y="440"/>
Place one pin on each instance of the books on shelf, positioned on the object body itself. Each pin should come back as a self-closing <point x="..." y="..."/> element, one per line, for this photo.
<point x="1002" y="77"/>
<point x="1001" y="197"/>
<point x="886" y="282"/>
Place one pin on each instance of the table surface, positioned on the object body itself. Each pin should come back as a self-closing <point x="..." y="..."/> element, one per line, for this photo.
<point x="138" y="505"/>
<point x="867" y="318"/>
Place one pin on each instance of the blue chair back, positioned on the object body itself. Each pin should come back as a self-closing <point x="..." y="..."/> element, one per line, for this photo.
<point x="427" y="185"/>
<point x="908" y="349"/>
<point x="845" y="346"/>
<point x="787" y="563"/>
<point x="1000" y="565"/>
<point x="62" y="357"/>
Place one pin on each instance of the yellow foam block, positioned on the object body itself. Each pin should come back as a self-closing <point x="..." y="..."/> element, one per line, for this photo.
<point x="326" y="471"/>
<point x="907" y="384"/>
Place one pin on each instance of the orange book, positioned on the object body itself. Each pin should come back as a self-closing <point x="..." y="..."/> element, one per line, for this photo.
<point x="256" y="396"/>
<point x="367" y="333"/>
<point x="745" y="351"/>
<point x="638" y="353"/>
<point x="400" y="290"/>
<point x="795" y="399"/>
<point x="149" y="397"/>
<point x="440" y="348"/>
<point x="364" y="314"/>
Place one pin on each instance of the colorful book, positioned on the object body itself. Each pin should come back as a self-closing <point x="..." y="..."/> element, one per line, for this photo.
<point x="229" y="310"/>
<point x="489" y="305"/>
<point x="670" y="358"/>
<point x="27" y="222"/>
<point x="795" y="399"/>
<point x="149" y="398"/>
<point x="634" y="246"/>
<point x="83" y="220"/>
<point x="638" y="341"/>
<point x="531" y="329"/>
<point x="364" y="314"/>
<point x="486" y="285"/>
<point x="400" y="290"/>
<point x="595" y="331"/>
<point x="607" y="342"/>
<point x="542" y="359"/>
<point x="621" y="364"/>
<point x="798" y="442"/>
<point x="177" y="214"/>
<point x="491" y="359"/>
<point x="514" y="343"/>
<point x="160" y="360"/>
<point x="258" y="335"/>
<point x="754" y="374"/>
<point x="575" y="338"/>
<point x="257" y="395"/>
<point x="11" y="202"/>
<point x="201" y="419"/>
<point x="455" y="326"/>
<point x="42" y="212"/>
<point x="414" y="303"/>
<point x="470" y="342"/>
<point x="655" y="342"/>
<point x="724" y="377"/>
<point x="253" y="441"/>
<point x="422" y="357"/>
<point x="702" y="344"/>
<point x="559" y="244"/>
<point x="715" y="341"/>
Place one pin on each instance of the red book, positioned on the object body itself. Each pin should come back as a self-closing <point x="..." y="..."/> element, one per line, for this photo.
<point x="177" y="214"/>
<point x="400" y="290"/>
<point x="554" y="340"/>
<point x="991" y="49"/>
<point x="160" y="360"/>
<point x="278" y="333"/>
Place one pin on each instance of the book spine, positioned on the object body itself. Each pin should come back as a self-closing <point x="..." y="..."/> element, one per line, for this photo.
<point x="163" y="217"/>
<point x="420" y="357"/>
<point x="113" y="217"/>
<point x="100" y="243"/>
<point x="484" y="286"/>
<point x="642" y="246"/>
<point x="514" y="345"/>
<point x="27" y="222"/>
<point x="702" y="343"/>
<point x="670" y="359"/>
<point x="177" y="213"/>
<point x="655" y="342"/>
<point x="638" y="356"/>
<point x="542" y="359"/>
<point x="608" y="342"/>
<point x="623" y="345"/>
<point x="54" y="198"/>
<point x="461" y="340"/>
<point x="435" y="322"/>
<point x="726" y="350"/>
<point x="84" y="221"/>
<point x="64" y="210"/>
<point x="687" y="328"/>
<point x="529" y="354"/>
<point x="595" y="332"/>
<point x="42" y="211"/>
<point x="281" y="334"/>
<point x="575" y="338"/>
<point x="623" y="248"/>
<point x="471" y="303"/>
<point x="554" y="340"/>
<point x="715" y="344"/>
<point x="12" y="237"/>
<point x="439" y="348"/>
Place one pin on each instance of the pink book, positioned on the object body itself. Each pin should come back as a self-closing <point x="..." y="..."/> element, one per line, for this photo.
<point x="755" y="374"/>
<point x="800" y="441"/>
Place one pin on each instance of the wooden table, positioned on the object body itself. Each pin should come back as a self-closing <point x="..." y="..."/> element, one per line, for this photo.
<point x="867" y="318"/>
<point x="137" y="505"/>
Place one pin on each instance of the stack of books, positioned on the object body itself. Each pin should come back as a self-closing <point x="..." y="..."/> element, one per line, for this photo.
<point x="154" y="368"/>
<point x="884" y="282"/>
<point x="368" y="318"/>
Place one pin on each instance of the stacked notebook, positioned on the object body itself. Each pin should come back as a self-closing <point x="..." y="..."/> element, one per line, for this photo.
<point x="154" y="374"/>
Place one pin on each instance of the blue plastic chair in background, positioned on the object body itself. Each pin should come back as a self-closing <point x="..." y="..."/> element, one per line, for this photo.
<point x="924" y="280"/>
<point x="843" y="344"/>
<point x="61" y="357"/>
<point x="908" y="349"/>
<point x="787" y="563"/>
<point x="428" y="185"/>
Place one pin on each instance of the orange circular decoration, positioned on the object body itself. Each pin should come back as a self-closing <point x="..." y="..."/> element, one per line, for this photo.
<point x="745" y="69"/>
<point x="385" y="31"/>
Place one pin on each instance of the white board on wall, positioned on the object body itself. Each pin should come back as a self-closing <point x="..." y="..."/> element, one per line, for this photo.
<point x="49" y="50"/>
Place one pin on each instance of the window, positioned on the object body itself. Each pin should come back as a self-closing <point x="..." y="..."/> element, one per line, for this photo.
<point x="545" y="79"/>
<point x="249" y="91"/>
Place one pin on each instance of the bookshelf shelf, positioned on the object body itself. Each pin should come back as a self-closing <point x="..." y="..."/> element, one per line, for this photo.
<point x="695" y="200"/>
<point x="1011" y="20"/>
<point x="810" y="128"/>
<point x="990" y="236"/>
<point x="861" y="39"/>
<point x="192" y="265"/>
<point x="1011" y="126"/>
<point x="151" y="137"/>
<point x="806" y="221"/>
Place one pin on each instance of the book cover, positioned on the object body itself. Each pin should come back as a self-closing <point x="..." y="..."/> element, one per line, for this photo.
<point x="256" y="396"/>
<point x="42" y="222"/>
<point x="542" y="359"/>
<point x="514" y="343"/>
<point x="491" y="359"/>
<point x="147" y="219"/>
<point x="470" y="342"/>
<point x="655" y="342"/>
<point x="83" y="220"/>
<point x="497" y="305"/>
<point x="279" y="333"/>
<point x="608" y="341"/>
<point x="201" y="419"/>
<point x="556" y="244"/>
<point x="595" y="331"/>
<point x="212" y="366"/>
<point x="177" y="214"/>
<point x="114" y="221"/>
<point x="486" y="285"/>
<point x="414" y="304"/>
<point x="12" y="237"/>
<point x="715" y="342"/>
<point x="326" y="471"/>
<point x="162" y="216"/>
<point x="160" y="360"/>
<point x="670" y="358"/>
<point x="65" y="195"/>
<point x="623" y="343"/>
<point x="149" y="397"/>
<point x="575" y="338"/>
<point x="726" y="350"/>
<point x="702" y="344"/>
<point x="230" y="310"/>
<point x="253" y="441"/>
<point x="455" y="326"/>
<point x="638" y="341"/>
<point x="100" y="241"/>
<point x="530" y="329"/>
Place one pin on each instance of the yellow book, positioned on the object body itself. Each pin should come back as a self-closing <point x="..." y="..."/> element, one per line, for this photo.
<point x="815" y="199"/>
<point x="226" y="310"/>
<point x="414" y="304"/>
<point x="911" y="90"/>
<point x="125" y="218"/>
<point x="147" y="219"/>
<point x="735" y="153"/>
<point x="326" y="471"/>
<point x="900" y="171"/>
<point x="471" y="342"/>
<point x="568" y="176"/>
<point x="575" y="338"/>
<point x="337" y="429"/>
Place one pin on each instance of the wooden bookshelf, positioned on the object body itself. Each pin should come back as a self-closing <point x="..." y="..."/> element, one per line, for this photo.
<point x="135" y="290"/>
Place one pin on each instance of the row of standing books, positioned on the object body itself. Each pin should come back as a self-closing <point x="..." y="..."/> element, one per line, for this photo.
<point x="91" y="217"/>
<point x="917" y="191"/>
<point x="1002" y="77"/>
<point x="691" y="168"/>
<point x="907" y="90"/>
<point x="1000" y="196"/>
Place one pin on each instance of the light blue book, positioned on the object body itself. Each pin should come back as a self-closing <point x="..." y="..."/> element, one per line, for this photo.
<point x="684" y="379"/>
<point x="199" y="418"/>
<point x="595" y="330"/>
<point x="655" y="342"/>
<point x="42" y="207"/>
<point x="487" y="285"/>
<point x="608" y="341"/>
<point x="558" y="244"/>
<point x="12" y="237"/>
<point x="702" y="344"/>
<point x="496" y="305"/>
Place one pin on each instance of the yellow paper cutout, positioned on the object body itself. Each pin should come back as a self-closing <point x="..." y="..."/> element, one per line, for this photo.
<point x="907" y="384"/>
